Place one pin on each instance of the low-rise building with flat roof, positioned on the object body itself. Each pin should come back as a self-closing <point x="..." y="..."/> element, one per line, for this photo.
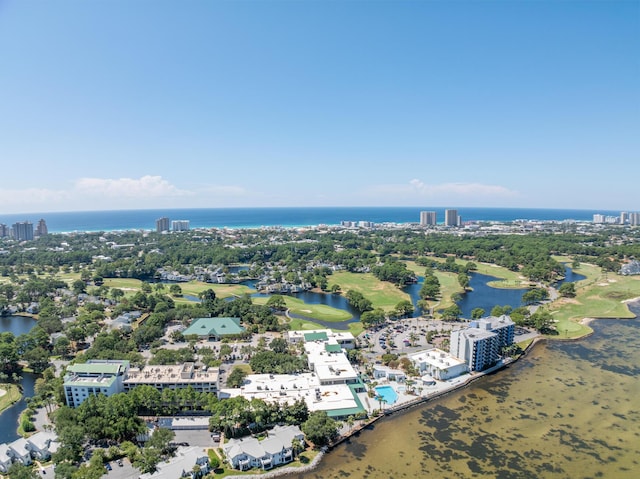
<point x="337" y="400"/>
<point x="438" y="364"/>
<point x="345" y="339"/>
<point x="174" y="377"/>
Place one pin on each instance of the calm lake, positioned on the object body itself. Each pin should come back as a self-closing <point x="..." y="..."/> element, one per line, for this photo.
<point x="566" y="410"/>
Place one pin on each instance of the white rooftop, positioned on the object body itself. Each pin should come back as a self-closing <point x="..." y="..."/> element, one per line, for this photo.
<point x="289" y="388"/>
<point x="185" y="373"/>
<point x="437" y="358"/>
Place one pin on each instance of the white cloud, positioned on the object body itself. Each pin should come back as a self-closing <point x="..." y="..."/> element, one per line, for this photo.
<point x="144" y="187"/>
<point x="87" y="194"/>
<point x="224" y="190"/>
<point x="453" y="193"/>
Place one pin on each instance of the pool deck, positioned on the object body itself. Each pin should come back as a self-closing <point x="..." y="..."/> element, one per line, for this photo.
<point x="425" y="392"/>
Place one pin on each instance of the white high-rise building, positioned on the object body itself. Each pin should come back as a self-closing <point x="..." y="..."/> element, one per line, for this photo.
<point x="480" y="344"/>
<point x="180" y="225"/>
<point x="624" y="218"/>
<point x="451" y="218"/>
<point x="162" y="224"/>
<point x="427" y="218"/>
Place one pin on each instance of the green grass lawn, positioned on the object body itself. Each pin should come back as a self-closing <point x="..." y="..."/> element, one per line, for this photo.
<point x="448" y="285"/>
<point x="598" y="296"/>
<point x="12" y="395"/>
<point x="125" y="284"/>
<point x="381" y="293"/>
<point x="130" y="286"/>
<point x="313" y="311"/>
<point x="505" y="277"/>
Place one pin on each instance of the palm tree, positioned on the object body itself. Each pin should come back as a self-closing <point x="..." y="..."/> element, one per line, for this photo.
<point x="296" y="446"/>
<point x="350" y="422"/>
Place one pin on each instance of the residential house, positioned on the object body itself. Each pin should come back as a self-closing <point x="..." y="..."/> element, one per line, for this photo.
<point x="248" y="452"/>
<point x="19" y="451"/>
<point x="42" y="444"/>
<point x="181" y="465"/>
<point x="5" y="458"/>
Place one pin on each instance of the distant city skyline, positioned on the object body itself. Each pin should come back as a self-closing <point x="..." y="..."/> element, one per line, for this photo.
<point x="132" y="105"/>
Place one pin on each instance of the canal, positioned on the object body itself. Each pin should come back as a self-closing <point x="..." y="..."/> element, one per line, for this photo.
<point x="9" y="417"/>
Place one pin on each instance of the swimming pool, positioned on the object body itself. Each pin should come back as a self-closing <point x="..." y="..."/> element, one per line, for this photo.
<point x="387" y="393"/>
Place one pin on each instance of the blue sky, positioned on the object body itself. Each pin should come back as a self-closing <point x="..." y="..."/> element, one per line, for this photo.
<point x="156" y="104"/>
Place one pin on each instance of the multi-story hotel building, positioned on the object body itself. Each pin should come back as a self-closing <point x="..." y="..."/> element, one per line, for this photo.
<point x="480" y="344"/>
<point x="22" y="231"/>
<point x="180" y="225"/>
<point x="93" y="378"/>
<point x="427" y="218"/>
<point x="111" y="377"/>
<point x="162" y="224"/>
<point x="174" y="377"/>
<point x="41" y="229"/>
<point x="451" y="218"/>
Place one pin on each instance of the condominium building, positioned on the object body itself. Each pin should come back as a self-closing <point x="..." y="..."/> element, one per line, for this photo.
<point x="481" y="344"/>
<point x="478" y="348"/>
<point x="41" y="229"/>
<point x="22" y="231"/>
<point x="93" y="378"/>
<point x="427" y="218"/>
<point x="451" y="218"/>
<point x="205" y="380"/>
<point x="598" y="218"/>
<point x="4" y="230"/>
<point x="624" y="218"/>
<point x="180" y="225"/>
<point x="503" y="326"/>
<point x="634" y="219"/>
<point x="162" y="224"/>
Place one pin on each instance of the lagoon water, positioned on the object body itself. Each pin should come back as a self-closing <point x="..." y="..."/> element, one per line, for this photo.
<point x="567" y="410"/>
<point x="9" y="418"/>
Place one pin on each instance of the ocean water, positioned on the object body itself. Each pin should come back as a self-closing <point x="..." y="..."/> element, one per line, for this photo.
<point x="285" y="217"/>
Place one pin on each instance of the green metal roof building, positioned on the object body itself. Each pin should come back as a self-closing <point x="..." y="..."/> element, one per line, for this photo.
<point x="214" y="329"/>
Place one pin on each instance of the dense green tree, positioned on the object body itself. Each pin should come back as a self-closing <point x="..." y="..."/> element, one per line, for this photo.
<point x="477" y="313"/>
<point x="358" y="301"/>
<point x="279" y="345"/>
<point x="463" y="280"/>
<point x="373" y="318"/>
<point x="567" y="290"/>
<point x="20" y="471"/>
<point x="320" y="429"/>
<point x="452" y="313"/>
<point x="236" y="377"/>
<point x="404" y="309"/>
<point x="277" y="302"/>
